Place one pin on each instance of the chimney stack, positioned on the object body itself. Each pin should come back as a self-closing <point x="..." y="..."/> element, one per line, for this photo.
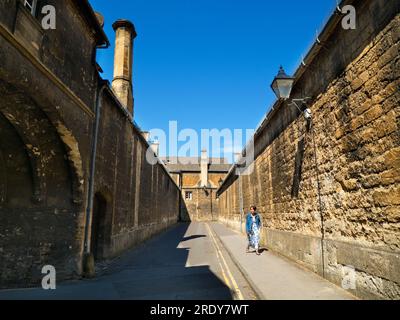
<point x="123" y="59"/>
<point x="204" y="168"/>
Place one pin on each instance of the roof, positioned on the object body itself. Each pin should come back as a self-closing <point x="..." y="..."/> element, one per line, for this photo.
<point x="192" y="160"/>
<point x="196" y="167"/>
<point x="192" y="164"/>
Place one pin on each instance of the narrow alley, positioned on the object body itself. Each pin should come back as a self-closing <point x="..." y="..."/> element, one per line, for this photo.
<point x="196" y="261"/>
<point x="147" y="146"/>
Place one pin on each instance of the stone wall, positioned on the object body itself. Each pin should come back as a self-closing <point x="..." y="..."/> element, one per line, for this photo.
<point x="43" y="197"/>
<point x="142" y="198"/>
<point x="194" y="179"/>
<point x="202" y="207"/>
<point x="47" y="102"/>
<point x="329" y="196"/>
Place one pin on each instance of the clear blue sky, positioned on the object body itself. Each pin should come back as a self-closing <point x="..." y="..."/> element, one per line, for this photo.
<point x="209" y="63"/>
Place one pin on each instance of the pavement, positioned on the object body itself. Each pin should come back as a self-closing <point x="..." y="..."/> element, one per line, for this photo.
<point x="192" y="261"/>
<point x="275" y="278"/>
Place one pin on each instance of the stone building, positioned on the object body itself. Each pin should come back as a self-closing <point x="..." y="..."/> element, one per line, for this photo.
<point x="198" y="179"/>
<point x="329" y="195"/>
<point x="74" y="180"/>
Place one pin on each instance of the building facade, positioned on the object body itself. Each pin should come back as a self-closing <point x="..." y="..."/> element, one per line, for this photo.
<point x="198" y="179"/>
<point x="74" y="180"/>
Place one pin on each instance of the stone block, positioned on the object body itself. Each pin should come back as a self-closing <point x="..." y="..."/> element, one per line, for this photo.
<point x="372" y="114"/>
<point x="375" y="262"/>
<point x="392" y="158"/>
<point x="390" y="177"/>
<point x="389" y="55"/>
<point x="392" y="214"/>
<point x="363" y="107"/>
<point x="387" y="197"/>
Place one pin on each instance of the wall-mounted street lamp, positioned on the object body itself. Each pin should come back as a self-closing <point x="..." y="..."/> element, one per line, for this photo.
<point x="282" y="86"/>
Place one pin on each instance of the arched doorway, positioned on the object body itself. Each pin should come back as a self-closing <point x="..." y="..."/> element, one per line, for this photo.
<point x="100" y="233"/>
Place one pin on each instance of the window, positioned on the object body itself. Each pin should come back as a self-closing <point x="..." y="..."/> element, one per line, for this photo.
<point x="31" y="6"/>
<point x="188" y="195"/>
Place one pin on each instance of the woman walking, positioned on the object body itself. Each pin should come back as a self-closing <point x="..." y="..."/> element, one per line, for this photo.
<point x="253" y="227"/>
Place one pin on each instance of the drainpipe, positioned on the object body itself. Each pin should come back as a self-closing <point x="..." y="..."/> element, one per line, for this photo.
<point x="88" y="258"/>
<point x="180" y="218"/>
<point x="239" y="167"/>
<point x="241" y="201"/>
<point x="211" y="205"/>
<point x="320" y="202"/>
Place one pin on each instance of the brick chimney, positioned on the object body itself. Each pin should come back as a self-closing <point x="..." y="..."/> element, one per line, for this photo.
<point x="204" y="168"/>
<point x="123" y="58"/>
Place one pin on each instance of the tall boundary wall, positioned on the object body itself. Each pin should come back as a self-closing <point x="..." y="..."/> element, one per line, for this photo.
<point x="329" y="195"/>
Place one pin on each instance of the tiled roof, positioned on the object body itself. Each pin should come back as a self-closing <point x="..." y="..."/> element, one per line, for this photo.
<point x="192" y="164"/>
<point x="196" y="167"/>
<point x="192" y="160"/>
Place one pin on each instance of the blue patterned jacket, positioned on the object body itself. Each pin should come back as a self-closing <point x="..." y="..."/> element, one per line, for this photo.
<point x="249" y="222"/>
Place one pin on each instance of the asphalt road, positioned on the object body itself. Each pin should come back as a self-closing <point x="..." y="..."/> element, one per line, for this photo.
<point x="186" y="262"/>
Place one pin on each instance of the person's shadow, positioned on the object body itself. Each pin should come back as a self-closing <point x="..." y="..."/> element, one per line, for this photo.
<point x="261" y="250"/>
<point x="193" y="237"/>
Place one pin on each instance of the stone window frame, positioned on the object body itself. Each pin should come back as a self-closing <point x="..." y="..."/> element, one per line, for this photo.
<point x="31" y="6"/>
<point x="188" y="195"/>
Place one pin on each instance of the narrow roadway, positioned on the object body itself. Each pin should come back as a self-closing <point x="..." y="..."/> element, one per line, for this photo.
<point x="186" y="262"/>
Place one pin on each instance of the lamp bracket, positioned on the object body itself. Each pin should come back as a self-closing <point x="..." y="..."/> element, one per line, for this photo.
<point x="301" y="101"/>
<point x="298" y="102"/>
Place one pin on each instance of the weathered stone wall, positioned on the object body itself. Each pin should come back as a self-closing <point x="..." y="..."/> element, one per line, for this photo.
<point x="190" y="179"/>
<point x="58" y="49"/>
<point x="47" y="104"/>
<point x="202" y="207"/>
<point x="340" y="180"/>
<point x="215" y="178"/>
<point x="142" y="198"/>
<point x="193" y="179"/>
<point x="45" y="142"/>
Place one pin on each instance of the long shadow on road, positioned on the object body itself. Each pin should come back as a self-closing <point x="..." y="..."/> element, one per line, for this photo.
<point x="157" y="269"/>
